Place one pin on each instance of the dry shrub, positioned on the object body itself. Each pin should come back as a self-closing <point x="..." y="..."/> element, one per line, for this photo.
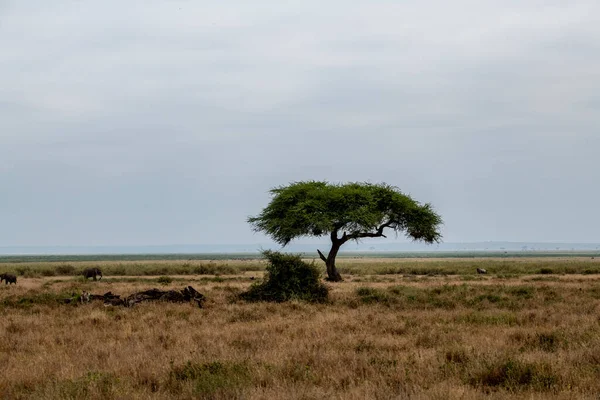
<point x="548" y="341"/>
<point x="514" y="375"/>
<point x="457" y="356"/>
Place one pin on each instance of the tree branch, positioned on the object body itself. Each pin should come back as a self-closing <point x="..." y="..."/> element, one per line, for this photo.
<point x="360" y="235"/>
<point x="321" y="255"/>
<point x="333" y="235"/>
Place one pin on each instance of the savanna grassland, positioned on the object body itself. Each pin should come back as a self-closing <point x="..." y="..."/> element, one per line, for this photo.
<point x="401" y="328"/>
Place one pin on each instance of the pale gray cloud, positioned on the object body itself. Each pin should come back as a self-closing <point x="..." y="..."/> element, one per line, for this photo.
<point x="159" y="122"/>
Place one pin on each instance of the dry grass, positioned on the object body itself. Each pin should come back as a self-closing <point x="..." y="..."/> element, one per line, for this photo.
<point x="525" y="335"/>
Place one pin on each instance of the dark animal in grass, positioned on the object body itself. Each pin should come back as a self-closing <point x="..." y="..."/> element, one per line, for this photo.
<point x="8" y="278"/>
<point x="92" y="273"/>
<point x="481" y="271"/>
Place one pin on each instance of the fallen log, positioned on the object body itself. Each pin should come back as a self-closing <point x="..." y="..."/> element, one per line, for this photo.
<point x="106" y="296"/>
<point x="188" y="294"/>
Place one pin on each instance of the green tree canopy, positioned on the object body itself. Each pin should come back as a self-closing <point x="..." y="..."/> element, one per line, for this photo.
<point x="350" y="211"/>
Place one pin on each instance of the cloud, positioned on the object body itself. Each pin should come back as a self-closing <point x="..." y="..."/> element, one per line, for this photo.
<point x="487" y="109"/>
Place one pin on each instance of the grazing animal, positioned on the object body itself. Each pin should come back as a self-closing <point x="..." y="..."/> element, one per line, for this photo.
<point x="92" y="273"/>
<point x="8" y="278"/>
<point x="481" y="271"/>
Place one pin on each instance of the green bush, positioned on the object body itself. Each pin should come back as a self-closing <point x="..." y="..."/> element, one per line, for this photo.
<point x="288" y="278"/>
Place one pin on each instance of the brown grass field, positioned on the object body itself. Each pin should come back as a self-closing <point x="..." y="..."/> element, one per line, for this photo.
<point x="394" y="329"/>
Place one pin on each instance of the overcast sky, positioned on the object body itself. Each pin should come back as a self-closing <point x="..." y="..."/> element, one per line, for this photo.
<point x="166" y="122"/>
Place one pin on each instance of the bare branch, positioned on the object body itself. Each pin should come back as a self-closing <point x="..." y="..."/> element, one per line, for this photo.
<point x="321" y="255"/>
<point x="360" y="235"/>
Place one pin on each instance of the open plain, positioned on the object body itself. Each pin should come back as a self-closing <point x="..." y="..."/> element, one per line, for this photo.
<point x="395" y="328"/>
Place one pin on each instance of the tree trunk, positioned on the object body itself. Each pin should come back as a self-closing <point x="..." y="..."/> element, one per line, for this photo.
<point x="332" y="273"/>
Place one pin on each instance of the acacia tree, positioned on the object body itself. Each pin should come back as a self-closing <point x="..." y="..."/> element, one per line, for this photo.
<point x="344" y="212"/>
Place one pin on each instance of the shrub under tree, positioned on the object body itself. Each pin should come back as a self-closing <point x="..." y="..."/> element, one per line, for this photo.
<point x="288" y="278"/>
